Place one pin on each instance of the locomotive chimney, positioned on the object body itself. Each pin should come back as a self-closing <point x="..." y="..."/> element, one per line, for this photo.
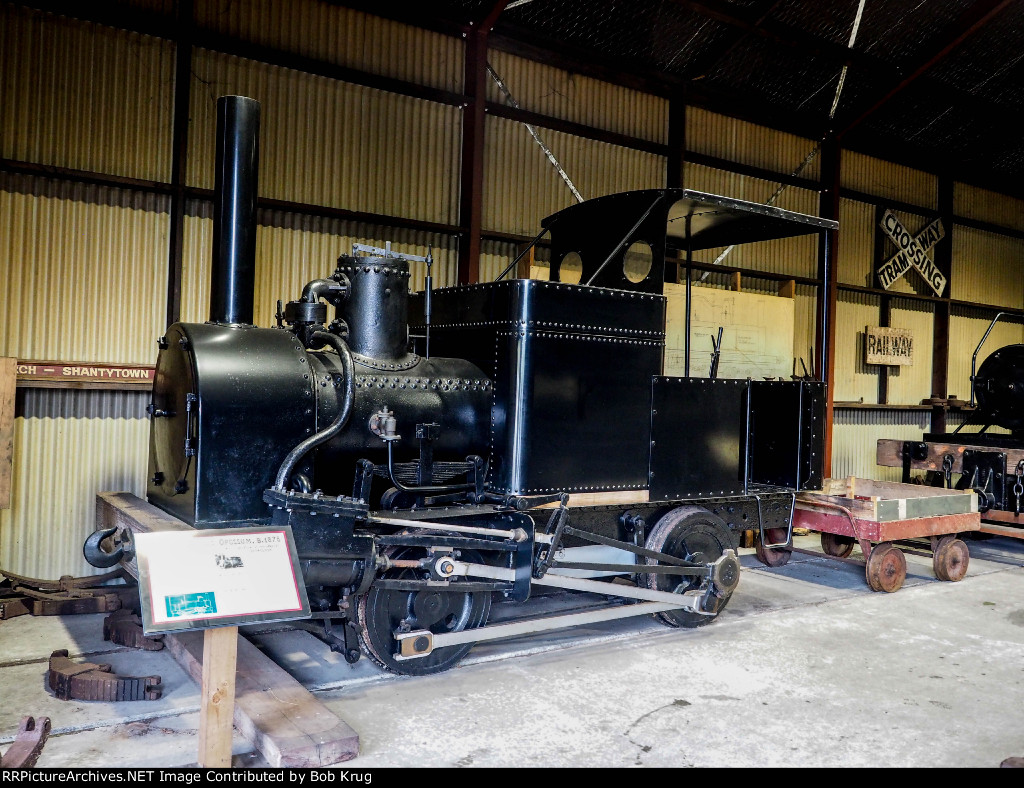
<point x="233" y="278"/>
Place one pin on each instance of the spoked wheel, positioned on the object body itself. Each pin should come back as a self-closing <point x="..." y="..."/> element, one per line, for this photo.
<point x="693" y="534"/>
<point x="384" y="610"/>
<point x="836" y="545"/>
<point x="772" y="556"/>
<point x="950" y="559"/>
<point x="887" y="568"/>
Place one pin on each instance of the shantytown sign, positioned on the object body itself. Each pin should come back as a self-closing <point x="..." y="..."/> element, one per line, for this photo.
<point x="913" y="251"/>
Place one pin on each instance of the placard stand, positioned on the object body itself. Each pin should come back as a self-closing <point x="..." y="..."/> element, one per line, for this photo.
<point x="217" y="710"/>
<point x="282" y="719"/>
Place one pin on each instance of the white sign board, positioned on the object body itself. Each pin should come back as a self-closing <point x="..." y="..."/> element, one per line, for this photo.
<point x="913" y="252"/>
<point x="218" y="577"/>
<point x="757" y="336"/>
<point x="888" y="346"/>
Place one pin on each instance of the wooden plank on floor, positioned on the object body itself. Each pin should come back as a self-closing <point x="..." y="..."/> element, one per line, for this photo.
<point x="284" y="721"/>
<point x="8" y="381"/>
<point x="999" y="530"/>
<point x="278" y="715"/>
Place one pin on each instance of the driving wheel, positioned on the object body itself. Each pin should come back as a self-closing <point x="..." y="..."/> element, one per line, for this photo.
<point x="382" y="611"/>
<point x="693" y="534"/>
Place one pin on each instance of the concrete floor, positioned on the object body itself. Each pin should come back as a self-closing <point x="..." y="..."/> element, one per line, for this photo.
<point x="806" y="667"/>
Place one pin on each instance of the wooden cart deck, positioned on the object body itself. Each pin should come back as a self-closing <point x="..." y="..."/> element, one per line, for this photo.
<point x="877" y="515"/>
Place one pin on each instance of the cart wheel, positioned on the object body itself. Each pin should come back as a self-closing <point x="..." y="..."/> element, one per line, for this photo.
<point x="950" y="559"/>
<point x="836" y="545"/>
<point x="772" y="556"/>
<point x="887" y="568"/>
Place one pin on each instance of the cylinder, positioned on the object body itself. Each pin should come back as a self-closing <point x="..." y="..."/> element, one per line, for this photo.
<point x="376" y="309"/>
<point x="233" y="284"/>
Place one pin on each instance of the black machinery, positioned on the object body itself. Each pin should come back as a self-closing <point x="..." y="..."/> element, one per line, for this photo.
<point x="433" y="451"/>
<point x="990" y="463"/>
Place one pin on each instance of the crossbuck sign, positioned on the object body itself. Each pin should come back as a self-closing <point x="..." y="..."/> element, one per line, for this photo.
<point x="913" y="251"/>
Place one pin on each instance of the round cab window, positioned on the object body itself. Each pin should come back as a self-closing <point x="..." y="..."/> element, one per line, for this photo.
<point x="571" y="269"/>
<point x="636" y="265"/>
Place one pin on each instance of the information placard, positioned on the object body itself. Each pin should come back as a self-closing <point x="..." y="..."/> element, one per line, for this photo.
<point x="200" y="579"/>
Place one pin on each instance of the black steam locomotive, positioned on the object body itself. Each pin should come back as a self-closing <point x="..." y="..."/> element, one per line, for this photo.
<point x="433" y="451"/>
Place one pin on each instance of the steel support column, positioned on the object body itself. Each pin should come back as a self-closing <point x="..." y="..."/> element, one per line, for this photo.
<point x="940" y="342"/>
<point x="825" y="333"/>
<point x="472" y="176"/>
<point x="474" y="114"/>
<point x="676" y="140"/>
<point x="884" y="302"/>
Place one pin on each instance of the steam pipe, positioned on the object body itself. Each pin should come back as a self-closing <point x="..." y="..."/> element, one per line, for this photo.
<point x="318" y="339"/>
<point x="330" y="290"/>
<point x="233" y="284"/>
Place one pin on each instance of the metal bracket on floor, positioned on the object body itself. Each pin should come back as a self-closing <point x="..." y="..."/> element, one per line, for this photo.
<point x="28" y="745"/>
<point x="124" y="627"/>
<point x="88" y="681"/>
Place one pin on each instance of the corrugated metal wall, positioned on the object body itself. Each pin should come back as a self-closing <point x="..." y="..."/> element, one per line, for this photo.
<point x="573" y="97"/>
<point x="888" y="180"/>
<point x="325" y="142"/>
<point x="856" y="243"/>
<point x="68" y="445"/>
<point x="908" y="385"/>
<point x="987" y="206"/>
<point x="328" y="32"/>
<point x="76" y="261"/>
<point x="855" y="435"/>
<point x="523" y="187"/>
<point x="736" y="140"/>
<point x="84" y="96"/>
<point x="987" y="268"/>
<point x="855" y="381"/>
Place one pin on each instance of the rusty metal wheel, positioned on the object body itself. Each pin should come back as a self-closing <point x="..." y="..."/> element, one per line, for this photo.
<point x="836" y="545"/>
<point x="772" y="556"/>
<point x="950" y="559"/>
<point x="887" y="568"/>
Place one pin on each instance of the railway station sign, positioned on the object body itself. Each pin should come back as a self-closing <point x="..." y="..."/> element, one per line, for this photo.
<point x="888" y="346"/>
<point x="203" y="578"/>
<point x="83" y="374"/>
<point x="914" y="251"/>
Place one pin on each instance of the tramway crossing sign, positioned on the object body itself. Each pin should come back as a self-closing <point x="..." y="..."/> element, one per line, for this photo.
<point x="914" y="251"/>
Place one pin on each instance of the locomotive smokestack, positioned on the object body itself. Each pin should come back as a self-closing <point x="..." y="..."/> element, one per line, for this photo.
<point x="233" y="277"/>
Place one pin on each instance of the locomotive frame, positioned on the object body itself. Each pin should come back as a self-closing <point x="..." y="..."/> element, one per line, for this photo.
<point x="430" y="452"/>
